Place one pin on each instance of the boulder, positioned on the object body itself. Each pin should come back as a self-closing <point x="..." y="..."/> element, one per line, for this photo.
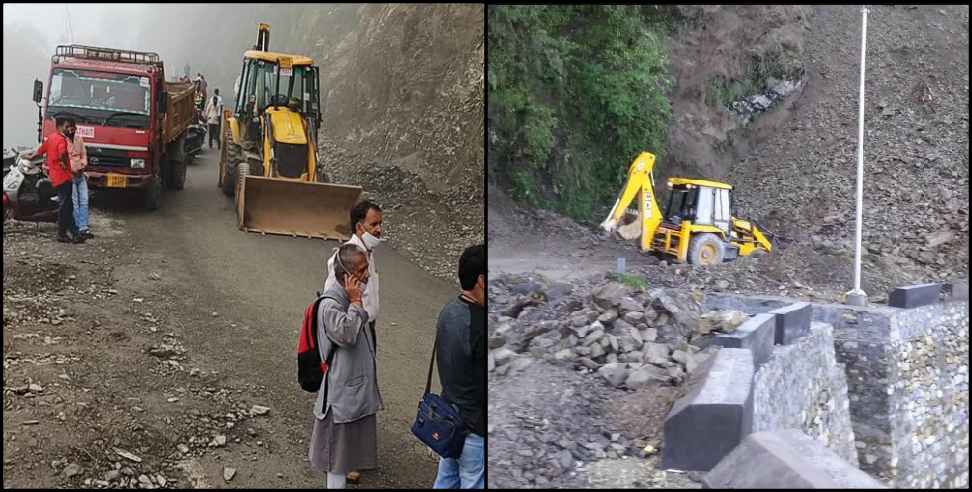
<point x="682" y="306"/>
<point x="588" y="363"/>
<point x="628" y="304"/>
<point x="609" y="295"/>
<point x="646" y="375"/>
<point x="656" y="353"/>
<point x="608" y="317"/>
<point x="722" y="321"/>
<point x="597" y="351"/>
<point x="613" y="342"/>
<point x="614" y="373"/>
<point x="632" y="357"/>
<point x="502" y="355"/>
<point x="519" y="363"/>
<point x="629" y="338"/>
<point x="565" y="354"/>
<point x="593" y="337"/>
<point x="681" y="357"/>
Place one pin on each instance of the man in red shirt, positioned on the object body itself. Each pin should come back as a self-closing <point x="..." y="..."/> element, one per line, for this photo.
<point x="58" y="169"/>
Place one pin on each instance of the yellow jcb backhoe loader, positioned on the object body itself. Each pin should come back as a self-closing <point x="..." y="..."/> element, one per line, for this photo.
<point x="697" y="225"/>
<point x="268" y="157"/>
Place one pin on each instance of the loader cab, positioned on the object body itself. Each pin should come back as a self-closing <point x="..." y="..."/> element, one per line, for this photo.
<point x="702" y="202"/>
<point x="276" y="80"/>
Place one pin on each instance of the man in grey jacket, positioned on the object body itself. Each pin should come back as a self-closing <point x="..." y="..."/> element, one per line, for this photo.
<point x="345" y="426"/>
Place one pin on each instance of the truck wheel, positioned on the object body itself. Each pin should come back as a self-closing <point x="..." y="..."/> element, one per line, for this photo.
<point x="153" y="194"/>
<point x="176" y="175"/>
<point x="706" y="249"/>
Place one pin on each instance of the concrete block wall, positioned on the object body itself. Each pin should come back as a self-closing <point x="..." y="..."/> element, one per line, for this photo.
<point x="752" y="384"/>
<point x="786" y="459"/>
<point x="906" y="434"/>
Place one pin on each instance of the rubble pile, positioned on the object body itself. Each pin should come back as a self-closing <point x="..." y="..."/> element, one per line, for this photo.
<point x="632" y="339"/>
<point x="569" y="364"/>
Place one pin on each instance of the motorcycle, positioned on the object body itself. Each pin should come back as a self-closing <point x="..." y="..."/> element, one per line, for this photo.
<point x="27" y="192"/>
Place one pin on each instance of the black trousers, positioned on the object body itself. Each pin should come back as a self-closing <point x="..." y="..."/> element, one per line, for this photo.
<point x="213" y="134"/>
<point x="65" y="210"/>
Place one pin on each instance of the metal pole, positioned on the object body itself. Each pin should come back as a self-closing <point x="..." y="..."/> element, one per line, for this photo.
<point x="857" y="297"/>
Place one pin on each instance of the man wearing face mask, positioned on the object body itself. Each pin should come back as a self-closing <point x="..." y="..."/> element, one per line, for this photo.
<point x="366" y="223"/>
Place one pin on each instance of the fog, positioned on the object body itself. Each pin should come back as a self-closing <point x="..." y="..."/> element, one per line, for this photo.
<point x="210" y="38"/>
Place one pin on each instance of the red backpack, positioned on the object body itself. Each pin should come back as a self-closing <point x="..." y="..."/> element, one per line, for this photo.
<point x="311" y="370"/>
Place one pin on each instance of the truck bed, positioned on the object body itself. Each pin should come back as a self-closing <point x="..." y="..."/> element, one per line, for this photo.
<point x="179" y="112"/>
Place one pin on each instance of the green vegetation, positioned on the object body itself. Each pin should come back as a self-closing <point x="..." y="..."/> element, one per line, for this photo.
<point x="633" y="281"/>
<point x="575" y="93"/>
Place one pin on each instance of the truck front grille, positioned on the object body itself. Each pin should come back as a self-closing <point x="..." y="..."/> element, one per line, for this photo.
<point x="102" y="157"/>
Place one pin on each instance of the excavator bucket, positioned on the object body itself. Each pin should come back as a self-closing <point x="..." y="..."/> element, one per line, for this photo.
<point x="296" y="208"/>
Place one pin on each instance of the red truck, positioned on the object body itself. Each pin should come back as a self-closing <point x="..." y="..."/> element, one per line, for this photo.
<point x="134" y="122"/>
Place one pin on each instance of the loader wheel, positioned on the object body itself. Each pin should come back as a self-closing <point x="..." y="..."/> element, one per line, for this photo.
<point x="234" y="154"/>
<point x="706" y="249"/>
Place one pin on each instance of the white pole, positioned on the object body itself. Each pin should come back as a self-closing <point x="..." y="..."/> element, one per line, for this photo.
<point x="857" y="296"/>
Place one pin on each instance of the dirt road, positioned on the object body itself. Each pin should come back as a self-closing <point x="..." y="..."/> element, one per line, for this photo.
<point x="159" y="336"/>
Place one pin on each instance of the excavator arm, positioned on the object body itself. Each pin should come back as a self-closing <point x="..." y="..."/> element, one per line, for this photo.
<point x="639" y="184"/>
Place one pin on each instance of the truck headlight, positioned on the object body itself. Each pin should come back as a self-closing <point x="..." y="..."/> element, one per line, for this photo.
<point x="138" y="163"/>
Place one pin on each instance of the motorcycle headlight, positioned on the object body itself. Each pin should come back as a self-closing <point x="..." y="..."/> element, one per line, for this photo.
<point x="138" y="163"/>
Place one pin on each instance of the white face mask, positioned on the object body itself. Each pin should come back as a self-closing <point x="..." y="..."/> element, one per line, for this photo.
<point x="370" y="241"/>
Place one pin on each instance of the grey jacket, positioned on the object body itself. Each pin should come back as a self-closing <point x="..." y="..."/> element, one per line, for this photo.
<point x="352" y="384"/>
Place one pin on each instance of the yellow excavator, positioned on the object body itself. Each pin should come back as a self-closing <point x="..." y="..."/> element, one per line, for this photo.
<point x="696" y="226"/>
<point x="268" y="155"/>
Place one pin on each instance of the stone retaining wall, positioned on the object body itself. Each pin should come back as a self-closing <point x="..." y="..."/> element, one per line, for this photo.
<point x="803" y="387"/>
<point x="929" y="396"/>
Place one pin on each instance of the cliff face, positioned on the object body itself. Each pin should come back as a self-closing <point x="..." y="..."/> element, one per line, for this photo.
<point x="402" y="87"/>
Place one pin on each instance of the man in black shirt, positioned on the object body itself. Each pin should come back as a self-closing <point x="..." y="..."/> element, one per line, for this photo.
<point x="461" y="361"/>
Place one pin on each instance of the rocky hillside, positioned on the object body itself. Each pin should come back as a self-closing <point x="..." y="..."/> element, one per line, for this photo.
<point x="402" y="87"/>
<point x="800" y="178"/>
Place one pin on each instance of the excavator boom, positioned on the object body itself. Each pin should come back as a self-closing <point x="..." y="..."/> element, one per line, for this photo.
<point x="640" y="185"/>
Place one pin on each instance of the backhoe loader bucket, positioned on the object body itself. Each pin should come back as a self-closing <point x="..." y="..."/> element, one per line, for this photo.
<point x="296" y="208"/>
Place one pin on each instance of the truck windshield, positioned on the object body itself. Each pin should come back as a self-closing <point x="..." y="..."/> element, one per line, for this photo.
<point x="123" y="99"/>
